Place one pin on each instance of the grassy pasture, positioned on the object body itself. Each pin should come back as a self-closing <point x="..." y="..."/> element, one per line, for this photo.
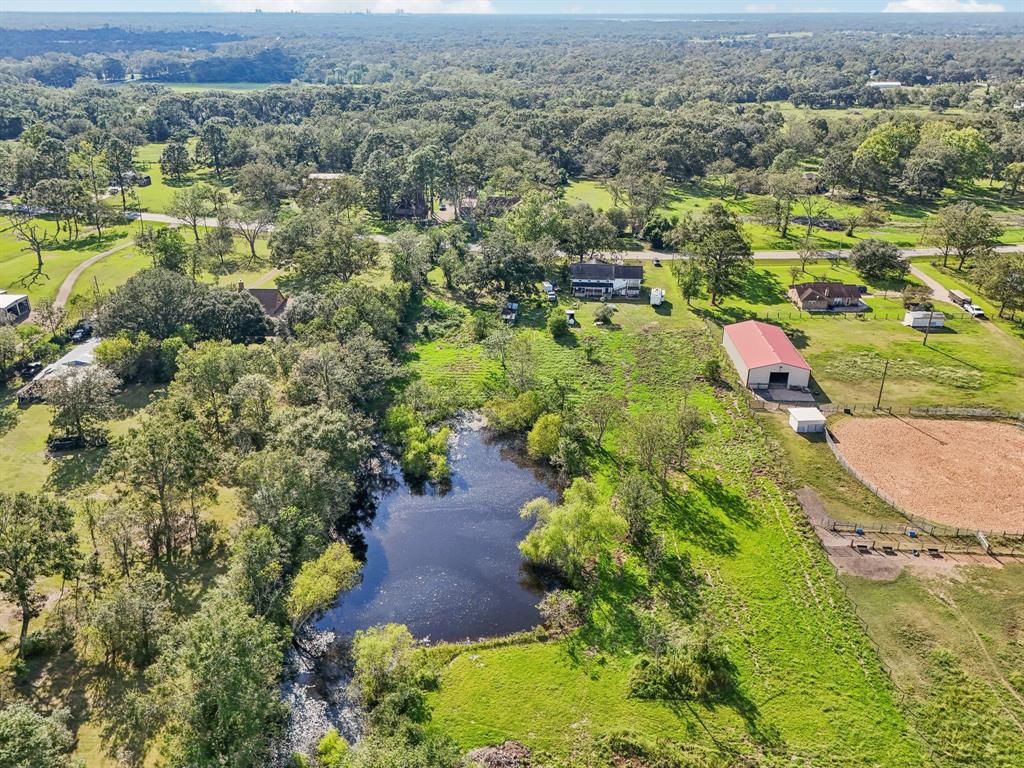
<point x="904" y="225"/>
<point x="808" y="686"/>
<point x="156" y="198"/>
<point x="955" y="645"/>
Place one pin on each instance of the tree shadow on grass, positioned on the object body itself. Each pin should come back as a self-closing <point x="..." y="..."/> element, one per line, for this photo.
<point x="763" y="287"/>
<point x="75" y="469"/>
<point x="189" y="579"/>
<point x="733" y="503"/>
<point x="93" y="242"/>
<point x="694" y="515"/>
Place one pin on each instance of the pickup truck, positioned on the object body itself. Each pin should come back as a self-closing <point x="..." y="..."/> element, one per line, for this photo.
<point x="974" y="311"/>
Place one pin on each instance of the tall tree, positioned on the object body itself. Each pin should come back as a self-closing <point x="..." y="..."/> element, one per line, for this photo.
<point x="723" y="254"/>
<point x="216" y="686"/>
<point x="37" y="539"/>
<point x="964" y="229"/>
<point x="82" y="400"/>
<point x="175" y="160"/>
<point x="213" y="143"/>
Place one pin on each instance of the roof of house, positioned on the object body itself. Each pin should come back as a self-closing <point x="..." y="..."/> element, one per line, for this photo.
<point x="78" y="356"/>
<point x="271" y="299"/>
<point x="595" y="270"/>
<point x="807" y="291"/>
<point x="761" y="344"/>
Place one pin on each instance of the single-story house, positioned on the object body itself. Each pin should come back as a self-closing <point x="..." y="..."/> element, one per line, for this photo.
<point x="764" y="356"/>
<point x="924" y="319"/>
<point x="597" y="280"/>
<point x="806" y="420"/>
<point x="80" y="356"/>
<point x="818" y="297"/>
<point x="271" y="299"/>
<point x="883" y="85"/>
<point x="15" y="304"/>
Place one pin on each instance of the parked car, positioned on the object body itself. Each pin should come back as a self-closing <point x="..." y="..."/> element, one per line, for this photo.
<point x="974" y="311"/>
<point x="81" y="332"/>
<point x="657" y="262"/>
<point x="60" y="444"/>
<point x="29" y="370"/>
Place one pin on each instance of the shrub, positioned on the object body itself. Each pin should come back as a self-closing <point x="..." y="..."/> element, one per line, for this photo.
<point x="713" y="369"/>
<point x="542" y="442"/>
<point x="515" y="414"/>
<point x="693" y="667"/>
<point x="558" y="325"/>
<point x="604" y="313"/>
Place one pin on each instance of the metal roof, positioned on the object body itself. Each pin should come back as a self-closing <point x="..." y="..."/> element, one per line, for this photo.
<point x="595" y="270"/>
<point x="761" y="344"/>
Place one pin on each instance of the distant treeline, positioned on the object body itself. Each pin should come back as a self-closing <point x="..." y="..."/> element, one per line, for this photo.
<point x="24" y="43"/>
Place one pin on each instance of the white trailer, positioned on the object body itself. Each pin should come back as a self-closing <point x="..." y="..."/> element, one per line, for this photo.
<point x="924" y="319"/>
<point x="657" y="296"/>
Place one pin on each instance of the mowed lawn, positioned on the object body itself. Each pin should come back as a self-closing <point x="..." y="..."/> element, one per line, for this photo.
<point x="903" y="226"/>
<point x="114" y="270"/>
<point x="809" y="689"/>
<point x="18" y="267"/>
<point x="156" y="198"/>
<point x="970" y="362"/>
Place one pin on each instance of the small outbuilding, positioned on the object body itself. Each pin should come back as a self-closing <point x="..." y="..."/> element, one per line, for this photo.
<point x="657" y="296"/>
<point x="806" y="420"/>
<point x="764" y="356"/>
<point x="16" y="305"/>
<point x="924" y="319"/>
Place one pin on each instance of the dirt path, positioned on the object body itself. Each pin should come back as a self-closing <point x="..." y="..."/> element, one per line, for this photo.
<point x="64" y="292"/>
<point x="939" y="291"/>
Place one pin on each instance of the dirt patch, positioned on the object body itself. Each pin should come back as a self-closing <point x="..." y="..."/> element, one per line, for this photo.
<point x="966" y="474"/>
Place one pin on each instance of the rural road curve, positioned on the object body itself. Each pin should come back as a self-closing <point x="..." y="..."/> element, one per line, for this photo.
<point x="64" y="292"/>
<point x="939" y="291"/>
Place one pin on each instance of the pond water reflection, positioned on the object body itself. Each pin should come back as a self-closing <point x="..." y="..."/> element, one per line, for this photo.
<point x="447" y="564"/>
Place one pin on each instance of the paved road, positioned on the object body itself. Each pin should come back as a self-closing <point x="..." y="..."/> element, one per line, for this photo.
<point x="64" y="292"/>
<point x="939" y="292"/>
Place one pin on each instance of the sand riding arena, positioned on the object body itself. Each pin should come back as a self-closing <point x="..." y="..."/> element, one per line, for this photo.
<point x="966" y="474"/>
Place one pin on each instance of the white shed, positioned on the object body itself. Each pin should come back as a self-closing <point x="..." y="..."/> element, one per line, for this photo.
<point x="806" y="420"/>
<point x="657" y="296"/>
<point x="764" y="356"/>
<point x="923" y="319"/>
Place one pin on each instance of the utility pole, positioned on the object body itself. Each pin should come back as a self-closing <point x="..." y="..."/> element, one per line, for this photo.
<point x="928" y="328"/>
<point x="878" y="402"/>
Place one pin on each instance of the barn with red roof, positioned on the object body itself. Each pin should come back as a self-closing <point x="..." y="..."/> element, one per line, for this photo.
<point x="764" y="356"/>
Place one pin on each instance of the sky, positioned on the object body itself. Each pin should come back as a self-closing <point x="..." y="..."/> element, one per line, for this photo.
<point x="521" y="6"/>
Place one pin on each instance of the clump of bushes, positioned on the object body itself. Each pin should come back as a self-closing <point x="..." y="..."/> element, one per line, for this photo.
<point x="424" y="454"/>
<point x="691" y="667"/>
<point x="515" y="414"/>
<point x="558" y="326"/>
<point x="542" y="440"/>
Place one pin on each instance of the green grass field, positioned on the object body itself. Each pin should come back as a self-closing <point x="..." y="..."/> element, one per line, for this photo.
<point x="954" y="644"/>
<point x="114" y="270"/>
<point x="904" y="225"/>
<point x="156" y="198"/>
<point x="18" y="268"/>
<point x="809" y="687"/>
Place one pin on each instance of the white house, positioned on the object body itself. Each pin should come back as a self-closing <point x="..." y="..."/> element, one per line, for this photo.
<point x="764" y="356"/>
<point x="596" y="280"/>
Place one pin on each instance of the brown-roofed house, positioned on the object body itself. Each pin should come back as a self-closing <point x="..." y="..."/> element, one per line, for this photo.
<point x="271" y="299"/>
<point x="819" y="297"/>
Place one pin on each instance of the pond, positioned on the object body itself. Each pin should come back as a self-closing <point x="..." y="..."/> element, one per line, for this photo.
<point x="446" y="564"/>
